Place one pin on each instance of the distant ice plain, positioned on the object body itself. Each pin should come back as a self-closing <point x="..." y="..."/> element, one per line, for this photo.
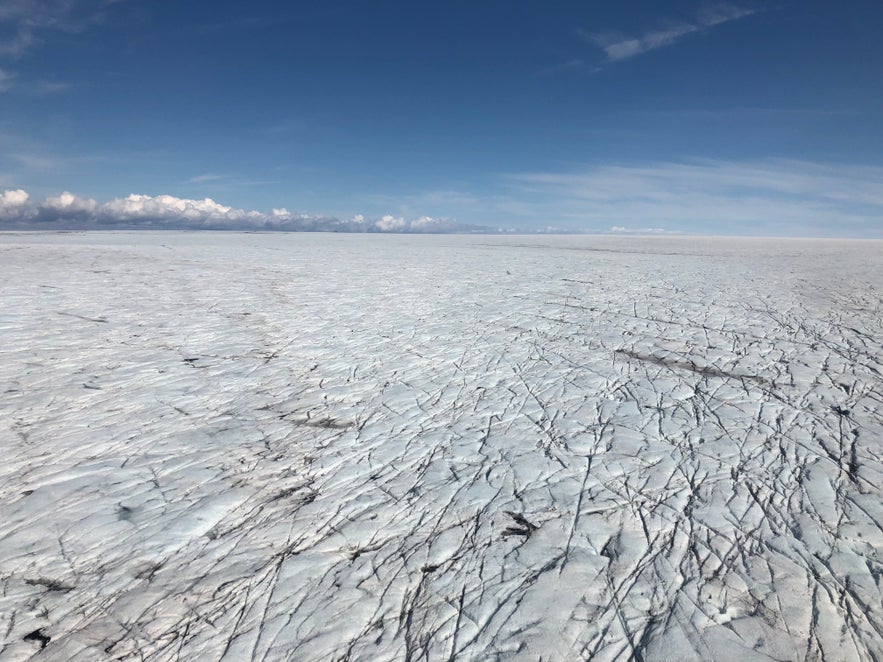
<point x="319" y="446"/>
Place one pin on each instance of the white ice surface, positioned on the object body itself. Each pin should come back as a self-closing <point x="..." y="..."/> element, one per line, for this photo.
<point x="304" y="447"/>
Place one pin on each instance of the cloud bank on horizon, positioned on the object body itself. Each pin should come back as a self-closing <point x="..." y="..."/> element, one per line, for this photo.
<point x="761" y="197"/>
<point x="19" y="211"/>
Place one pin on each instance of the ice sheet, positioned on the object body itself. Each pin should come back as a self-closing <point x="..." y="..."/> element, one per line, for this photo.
<point x="315" y="446"/>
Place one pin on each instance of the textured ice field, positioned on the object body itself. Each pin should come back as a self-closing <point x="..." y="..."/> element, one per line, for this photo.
<point x="317" y="447"/>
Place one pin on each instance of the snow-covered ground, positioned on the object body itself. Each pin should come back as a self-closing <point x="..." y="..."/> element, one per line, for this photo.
<point x="318" y="446"/>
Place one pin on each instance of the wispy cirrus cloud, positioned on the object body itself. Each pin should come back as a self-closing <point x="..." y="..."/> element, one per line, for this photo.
<point x="427" y="199"/>
<point x="766" y="196"/>
<point x="618" y="46"/>
<point x="46" y="88"/>
<point x="22" y="22"/>
<point x="207" y="177"/>
<point x="33" y="161"/>
<point x="217" y="182"/>
<point x="5" y="80"/>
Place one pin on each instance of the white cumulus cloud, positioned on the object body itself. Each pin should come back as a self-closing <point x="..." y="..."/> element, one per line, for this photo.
<point x="168" y="207"/>
<point x="389" y="222"/>
<point x="13" y="199"/>
<point x="14" y="206"/>
<point x="68" y="202"/>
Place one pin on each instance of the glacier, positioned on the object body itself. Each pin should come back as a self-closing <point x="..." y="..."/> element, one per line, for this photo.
<point x="236" y="446"/>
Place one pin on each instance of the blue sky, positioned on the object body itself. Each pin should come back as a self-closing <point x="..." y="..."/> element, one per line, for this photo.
<point x="698" y="117"/>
